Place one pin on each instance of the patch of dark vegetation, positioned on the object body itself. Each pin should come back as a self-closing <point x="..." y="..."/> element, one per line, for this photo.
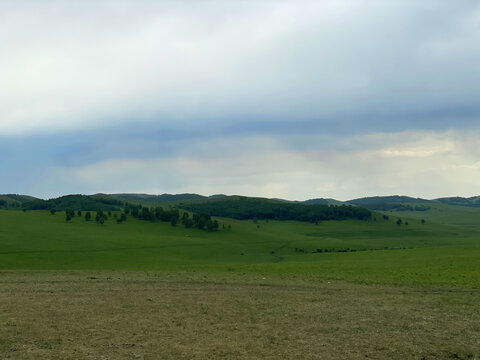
<point x="245" y="208"/>
<point x="334" y="250"/>
<point x="200" y="221"/>
<point x="154" y="199"/>
<point x="14" y="201"/>
<point x="77" y="202"/>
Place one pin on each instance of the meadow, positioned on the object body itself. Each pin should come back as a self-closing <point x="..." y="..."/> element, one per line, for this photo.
<point x="378" y="251"/>
<point x="259" y="289"/>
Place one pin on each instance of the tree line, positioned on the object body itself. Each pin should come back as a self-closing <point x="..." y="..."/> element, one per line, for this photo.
<point x="80" y="202"/>
<point x="243" y="208"/>
<point x="200" y="221"/>
<point x="154" y="214"/>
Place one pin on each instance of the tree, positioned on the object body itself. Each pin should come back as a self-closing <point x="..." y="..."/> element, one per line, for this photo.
<point x="188" y="223"/>
<point x="88" y="216"/>
<point x="209" y="226"/>
<point x="145" y="214"/>
<point x="135" y="212"/>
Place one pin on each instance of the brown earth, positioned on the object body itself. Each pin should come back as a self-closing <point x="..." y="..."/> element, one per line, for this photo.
<point x="140" y="315"/>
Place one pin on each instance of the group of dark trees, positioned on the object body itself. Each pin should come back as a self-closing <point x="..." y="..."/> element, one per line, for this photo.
<point x="80" y="202"/>
<point x="13" y="201"/>
<point x="4" y="204"/>
<point x="199" y="221"/>
<point x="243" y="208"/>
<point x="100" y="216"/>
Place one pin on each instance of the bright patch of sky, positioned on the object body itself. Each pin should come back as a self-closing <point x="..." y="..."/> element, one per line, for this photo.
<point x="292" y="99"/>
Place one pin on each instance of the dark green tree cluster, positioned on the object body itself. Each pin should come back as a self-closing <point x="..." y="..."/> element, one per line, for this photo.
<point x="199" y="221"/>
<point x="69" y="214"/>
<point x="100" y="217"/>
<point x="244" y="208"/>
<point x="204" y="222"/>
<point x="4" y="204"/>
<point x="122" y="218"/>
<point x="153" y="213"/>
<point x="80" y="202"/>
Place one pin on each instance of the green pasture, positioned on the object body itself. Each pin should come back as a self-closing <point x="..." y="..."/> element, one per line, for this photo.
<point x="371" y="251"/>
<point x="443" y="214"/>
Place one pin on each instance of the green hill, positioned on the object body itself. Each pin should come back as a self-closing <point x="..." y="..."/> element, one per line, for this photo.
<point x="461" y="201"/>
<point x="322" y="201"/>
<point x="74" y="202"/>
<point x="242" y="208"/>
<point x="374" y="251"/>
<point x="392" y="203"/>
<point x="148" y="199"/>
<point x="155" y="199"/>
<point x="14" y="200"/>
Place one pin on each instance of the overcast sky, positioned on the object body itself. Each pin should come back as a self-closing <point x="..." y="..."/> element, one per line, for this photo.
<point x="290" y="99"/>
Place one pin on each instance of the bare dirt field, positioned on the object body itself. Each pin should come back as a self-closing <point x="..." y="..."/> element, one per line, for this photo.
<point x="161" y="315"/>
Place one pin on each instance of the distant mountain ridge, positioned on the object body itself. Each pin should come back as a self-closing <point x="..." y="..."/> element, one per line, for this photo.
<point x="74" y="202"/>
<point x="323" y="201"/>
<point x="147" y="198"/>
<point x="382" y="203"/>
<point x="397" y="202"/>
<point x="473" y="201"/>
<point x="12" y="201"/>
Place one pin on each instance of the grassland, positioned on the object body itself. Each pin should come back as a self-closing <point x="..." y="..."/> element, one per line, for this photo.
<point x="81" y="290"/>
<point x="163" y="315"/>
<point x="376" y="251"/>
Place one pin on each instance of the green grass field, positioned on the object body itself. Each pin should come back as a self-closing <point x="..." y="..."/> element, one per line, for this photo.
<point x="378" y="251"/>
<point x="144" y="290"/>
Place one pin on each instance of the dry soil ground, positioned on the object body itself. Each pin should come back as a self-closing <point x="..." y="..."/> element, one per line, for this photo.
<point x="158" y="315"/>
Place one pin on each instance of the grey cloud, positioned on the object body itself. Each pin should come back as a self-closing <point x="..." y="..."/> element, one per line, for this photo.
<point x="71" y="66"/>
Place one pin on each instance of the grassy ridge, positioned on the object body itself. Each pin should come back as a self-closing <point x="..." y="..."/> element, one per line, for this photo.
<point x="377" y="251"/>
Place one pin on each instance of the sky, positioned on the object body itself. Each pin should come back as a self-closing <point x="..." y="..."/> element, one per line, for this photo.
<point x="288" y="99"/>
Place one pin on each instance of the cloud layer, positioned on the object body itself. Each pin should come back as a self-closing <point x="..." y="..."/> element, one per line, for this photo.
<point x="291" y="99"/>
<point x="418" y="163"/>
<point x="71" y="66"/>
